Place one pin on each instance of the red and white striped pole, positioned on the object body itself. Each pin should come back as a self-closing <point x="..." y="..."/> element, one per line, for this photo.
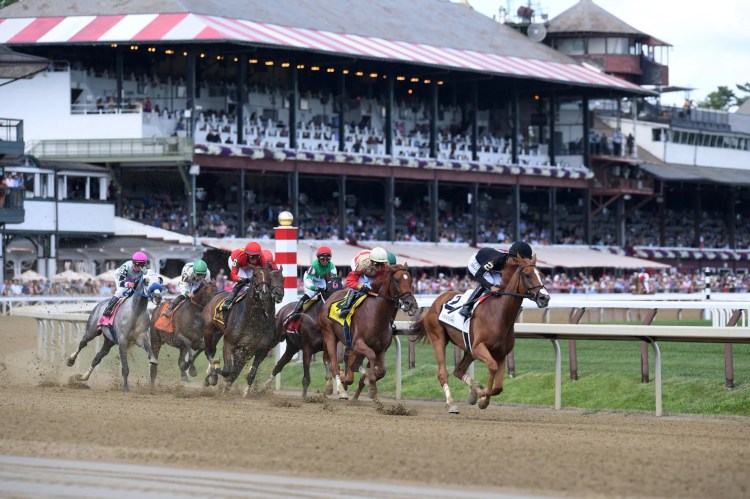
<point x="286" y="254"/>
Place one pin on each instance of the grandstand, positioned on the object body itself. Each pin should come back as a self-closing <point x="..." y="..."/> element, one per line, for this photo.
<point x="418" y="121"/>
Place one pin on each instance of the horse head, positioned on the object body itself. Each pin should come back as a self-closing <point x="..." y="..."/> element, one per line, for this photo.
<point x="151" y="287"/>
<point x="530" y="282"/>
<point x="261" y="283"/>
<point x="206" y="290"/>
<point x="399" y="286"/>
<point x="277" y="285"/>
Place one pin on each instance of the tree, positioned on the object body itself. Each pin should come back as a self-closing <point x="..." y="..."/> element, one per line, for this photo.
<point x="721" y="98"/>
<point x="725" y="99"/>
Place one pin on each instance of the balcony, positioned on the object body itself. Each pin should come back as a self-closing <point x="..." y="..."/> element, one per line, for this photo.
<point x="11" y="137"/>
<point x="157" y="149"/>
<point x="11" y="205"/>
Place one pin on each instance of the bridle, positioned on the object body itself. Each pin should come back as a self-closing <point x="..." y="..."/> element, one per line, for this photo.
<point x="397" y="297"/>
<point x="532" y="292"/>
<point x="149" y="293"/>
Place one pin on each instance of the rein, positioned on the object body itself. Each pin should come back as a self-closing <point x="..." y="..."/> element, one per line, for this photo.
<point x="529" y="291"/>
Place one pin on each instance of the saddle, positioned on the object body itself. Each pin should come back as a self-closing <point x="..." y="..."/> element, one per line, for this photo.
<point x="292" y="326"/>
<point x="108" y="321"/>
<point x="333" y="313"/>
<point x="165" y="323"/>
<point x="218" y="315"/>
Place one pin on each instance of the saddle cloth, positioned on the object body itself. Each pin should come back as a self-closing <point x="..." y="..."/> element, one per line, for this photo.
<point x="218" y="315"/>
<point x="333" y="313"/>
<point x="292" y="326"/>
<point x="108" y="321"/>
<point x="449" y="312"/>
<point x="165" y="323"/>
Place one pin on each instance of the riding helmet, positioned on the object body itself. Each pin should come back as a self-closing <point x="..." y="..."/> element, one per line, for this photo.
<point x="200" y="267"/>
<point x="378" y="255"/>
<point x="252" y="249"/>
<point x="140" y="257"/>
<point x="324" y="250"/>
<point x="520" y="248"/>
<point x="391" y="258"/>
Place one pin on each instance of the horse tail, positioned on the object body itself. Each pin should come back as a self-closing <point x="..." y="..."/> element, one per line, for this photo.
<point x="418" y="331"/>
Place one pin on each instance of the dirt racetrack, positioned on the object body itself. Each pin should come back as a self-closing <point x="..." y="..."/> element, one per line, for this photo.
<point x="513" y="449"/>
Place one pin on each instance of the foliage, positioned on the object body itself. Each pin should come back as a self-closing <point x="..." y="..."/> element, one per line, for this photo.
<point x="5" y="3"/>
<point x="724" y="98"/>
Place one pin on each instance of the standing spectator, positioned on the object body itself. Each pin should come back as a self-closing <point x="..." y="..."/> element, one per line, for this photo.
<point x="630" y="144"/>
<point x="617" y="139"/>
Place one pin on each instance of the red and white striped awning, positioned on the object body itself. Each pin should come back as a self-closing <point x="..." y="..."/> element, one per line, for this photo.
<point x="143" y="28"/>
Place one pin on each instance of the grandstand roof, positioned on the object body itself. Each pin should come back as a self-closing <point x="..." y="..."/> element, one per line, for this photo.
<point x="695" y="173"/>
<point x="425" y="32"/>
<point x="586" y="17"/>
<point x="450" y="255"/>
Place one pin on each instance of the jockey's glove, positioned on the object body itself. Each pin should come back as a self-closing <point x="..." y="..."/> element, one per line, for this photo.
<point x="364" y="289"/>
<point x="313" y="288"/>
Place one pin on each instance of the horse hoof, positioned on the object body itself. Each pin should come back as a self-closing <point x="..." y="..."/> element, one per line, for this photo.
<point x="70" y="362"/>
<point x="329" y="388"/>
<point x="184" y="378"/>
<point x="192" y="371"/>
<point x="453" y="409"/>
<point x="81" y="377"/>
<point x="205" y="382"/>
<point x="213" y="379"/>
<point x="472" y="398"/>
<point x="373" y="394"/>
<point x="125" y="389"/>
<point x="343" y="396"/>
<point x="484" y="403"/>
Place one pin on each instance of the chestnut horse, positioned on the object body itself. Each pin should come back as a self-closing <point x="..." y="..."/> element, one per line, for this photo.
<point x="308" y="337"/>
<point x="249" y="329"/>
<point x="188" y="330"/>
<point x="371" y="331"/>
<point x="490" y="329"/>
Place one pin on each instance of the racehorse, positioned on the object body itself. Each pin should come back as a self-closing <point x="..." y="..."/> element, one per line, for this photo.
<point x="129" y="326"/>
<point x="249" y="331"/>
<point x="491" y="332"/>
<point x="371" y="331"/>
<point x="307" y="338"/>
<point x="187" y="334"/>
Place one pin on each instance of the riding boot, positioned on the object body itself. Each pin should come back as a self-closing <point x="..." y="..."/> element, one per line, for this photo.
<point x="172" y="306"/>
<point x="110" y="306"/>
<point x="298" y="309"/>
<point x="466" y="309"/>
<point x="351" y="297"/>
<point x="227" y="306"/>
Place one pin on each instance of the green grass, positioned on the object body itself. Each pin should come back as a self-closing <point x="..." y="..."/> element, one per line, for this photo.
<point x="609" y="376"/>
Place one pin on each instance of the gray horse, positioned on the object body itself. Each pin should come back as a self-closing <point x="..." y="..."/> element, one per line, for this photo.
<point x="131" y="326"/>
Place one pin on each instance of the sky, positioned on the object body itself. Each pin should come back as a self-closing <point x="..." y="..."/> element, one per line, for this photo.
<point x="710" y="47"/>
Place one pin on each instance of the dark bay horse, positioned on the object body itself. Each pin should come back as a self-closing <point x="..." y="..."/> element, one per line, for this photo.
<point x="130" y="327"/>
<point x="187" y="337"/>
<point x="371" y="331"/>
<point x="491" y="329"/>
<point x="308" y="338"/>
<point x="249" y="331"/>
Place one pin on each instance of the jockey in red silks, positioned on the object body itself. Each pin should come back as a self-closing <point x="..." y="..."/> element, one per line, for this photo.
<point x="242" y="265"/>
<point x="366" y="266"/>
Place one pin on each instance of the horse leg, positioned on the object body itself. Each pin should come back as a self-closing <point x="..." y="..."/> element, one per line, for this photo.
<point x="438" y="345"/>
<point x="88" y="336"/>
<point x="103" y="351"/>
<point x="330" y="347"/>
<point x="380" y="366"/>
<point x="185" y="359"/>
<point x="482" y="353"/>
<point x="306" y="359"/>
<point x="257" y="359"/>
<point x="156" y="347"/>
<point x="360" y="386"/>
<point x="283" y="361"/>
<point x="328" y="390"/>
<point x="210" y="342"/>
<point x="192" y="371"/>
<point x="362" y="347"/>
<point x="124" y="363"/>
<point x="460" y="373"/>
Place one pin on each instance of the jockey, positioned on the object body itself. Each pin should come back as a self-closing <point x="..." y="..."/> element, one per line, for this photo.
<point x="486" y="266"/>
<point x="126" y="276"/>
<point x="316" y="278"/>
<point x="268" y="256"/>
<point x="358" y="280"/>
<point x="242" y="265"/>
<point x="193" y="275"/>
